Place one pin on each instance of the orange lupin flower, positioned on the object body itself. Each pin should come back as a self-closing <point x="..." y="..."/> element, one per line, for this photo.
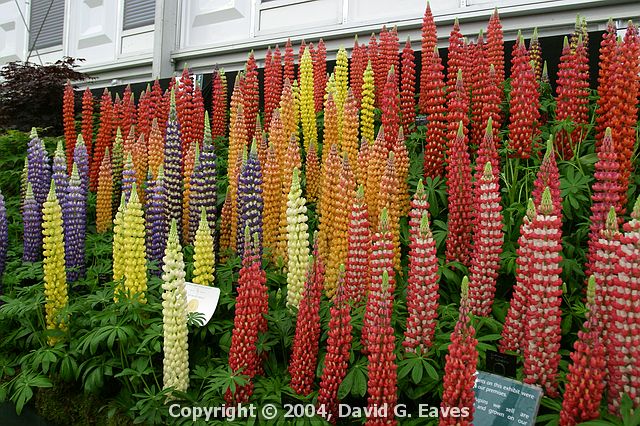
<point x="105" y="192"/>
<point x="291" y="161"/>
<point x="330" y="181"/>
<point x="189" y="165"/>
<point x="129" y="141"/>
<point x="68" y="118"/>
<point x="402" y="168"/>
<point x="388" y="198"/>
<point x="156" y="148"/>
<point x="278" y="138"/>
<point x="271" y="190"/>
<point x="377" y="156"/>
<point x="141" y="161"/>
<point x="313" y="173"/>
<point x="363" y="162"/>
<point x="331" y="135"/>
<point x="339" y="243"/>
<point x="350" y="130"/>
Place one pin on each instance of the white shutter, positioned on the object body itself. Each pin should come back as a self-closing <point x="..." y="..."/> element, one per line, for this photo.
<point x="138" y="13"/>
<point x="46" y="23"/>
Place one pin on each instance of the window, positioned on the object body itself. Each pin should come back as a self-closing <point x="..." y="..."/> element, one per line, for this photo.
<point x="139" y="13"/>
<point x="46" y="23"/>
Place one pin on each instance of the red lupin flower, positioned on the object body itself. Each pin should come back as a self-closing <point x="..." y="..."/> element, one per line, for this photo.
<point x="382" y="385"/>
<point x="359" y="61"/>
<point x="87" y="120"/>
<point x="288" y="71"/>
<point x="524" y="104"/>
<point x="456" y="57"/>
<point x="319" y="75"/>
<point x="249" y="320"/>
<point x="434" y="107"/>
<point x="408" y="92"/>
<point x="513" y="330"/>
<point x="460" y="202"/>
<point x="495" y="46"/>
<point x="573" y="96"/>
<point x="460" y="366"/>
<point x="429" y="45"/>
<point x="391" y="109"/>
<point x="104" y="138"/>
<point x="251" y="96"/>
<point x="219" y="104"/>
<point x="304" y="357"/>
<point x="586" y="377"/>
<point x="336" y="361"/>
<point x="69" y="121"/>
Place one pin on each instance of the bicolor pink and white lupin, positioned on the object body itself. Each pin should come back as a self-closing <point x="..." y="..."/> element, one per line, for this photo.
<point x="623" y="349"/>
<point x="487" y="242"/>
<point x="543" y="315"/>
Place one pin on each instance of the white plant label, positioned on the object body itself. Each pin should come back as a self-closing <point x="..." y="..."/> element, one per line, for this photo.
<point x="202" y="299"/>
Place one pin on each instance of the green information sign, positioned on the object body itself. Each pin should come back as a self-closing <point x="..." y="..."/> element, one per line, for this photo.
<point x="501" y="401"/>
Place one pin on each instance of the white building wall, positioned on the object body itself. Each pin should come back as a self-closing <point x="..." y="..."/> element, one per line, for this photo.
<point x="202" y="33"/>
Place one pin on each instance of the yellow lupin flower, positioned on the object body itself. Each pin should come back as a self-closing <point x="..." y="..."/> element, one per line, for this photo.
<point x="292" y="161"/>
<point x="55" y="276"/>
<point x="350" y="131"/>
<point x="118" y="247"/>
<point x="339" y="243"/>
<point x="367" y="104"/>
<point x="174" y="316"/>
<point x="297" y="241"/>
<point x="105" y="194"/>
<point x="341" y="72"/>
<point x="135" y="262"/>
<point x="307" y="102"/>
<point x="203" y="256"/>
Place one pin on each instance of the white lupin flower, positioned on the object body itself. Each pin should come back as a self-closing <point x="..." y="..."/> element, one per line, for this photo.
<point x="174" y="315"/>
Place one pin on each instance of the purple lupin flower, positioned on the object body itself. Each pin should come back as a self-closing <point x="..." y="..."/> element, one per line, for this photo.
<point x="23" y="182"/>
<point x="156" y="218"/>
<point x="61" y="179"/>
<point x="250" y="202"/>
<point x="204" y="184"/>
<point x="39" y="176"/>
<point x="74" y="217"/>
<point x="32" y="219"/>
<point x="173" y="165"/>
<point x="128" y="176"/>
<point x="81" y="159"/>
<point x="4" y="237"/>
